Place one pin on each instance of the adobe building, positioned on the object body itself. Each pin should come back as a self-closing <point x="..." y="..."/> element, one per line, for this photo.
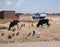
<point x="8" y="15"/>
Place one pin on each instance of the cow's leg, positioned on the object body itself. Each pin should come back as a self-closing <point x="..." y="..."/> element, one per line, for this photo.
<point x="41" y="25"/>
<point x="18" y="26"/>
<point x="48" y="25"/>
<point x="38" y="25"/>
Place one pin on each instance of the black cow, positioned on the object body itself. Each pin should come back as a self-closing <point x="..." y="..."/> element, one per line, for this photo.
<point x="43" y="21"/>
<point x="13" y="23"/>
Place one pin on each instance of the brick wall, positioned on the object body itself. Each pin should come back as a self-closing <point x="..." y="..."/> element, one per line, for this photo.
<point x="1" y="15"/>
<point x="8" y="15"/>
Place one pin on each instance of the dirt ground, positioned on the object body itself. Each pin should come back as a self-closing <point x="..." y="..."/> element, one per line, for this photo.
<point x="32" y="44"/>
<point x="24" y="33"/>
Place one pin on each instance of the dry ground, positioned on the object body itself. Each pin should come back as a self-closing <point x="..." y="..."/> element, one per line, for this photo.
<point x="32" y="44"/>
<point x="47" y="34"/>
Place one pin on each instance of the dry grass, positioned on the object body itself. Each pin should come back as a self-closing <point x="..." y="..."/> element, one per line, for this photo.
<point x="2" y="34"/>
<point x="13" y="34"/>
<point x="9" y="36"/>
<point x="25" y="33"/>
<point x="17" y="33"/>
<point x="4" y="21"/>
<point x="3" y="27"/>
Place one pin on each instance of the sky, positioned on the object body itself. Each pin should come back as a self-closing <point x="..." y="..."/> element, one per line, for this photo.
<point x="31" y="6"/>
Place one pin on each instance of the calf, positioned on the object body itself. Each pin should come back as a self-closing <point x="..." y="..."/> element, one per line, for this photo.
<point x="43" y="21"/>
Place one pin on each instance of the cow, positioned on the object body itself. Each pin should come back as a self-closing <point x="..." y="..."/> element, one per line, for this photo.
<point x="13" y="23"/>
<point x="43" y="21"/>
